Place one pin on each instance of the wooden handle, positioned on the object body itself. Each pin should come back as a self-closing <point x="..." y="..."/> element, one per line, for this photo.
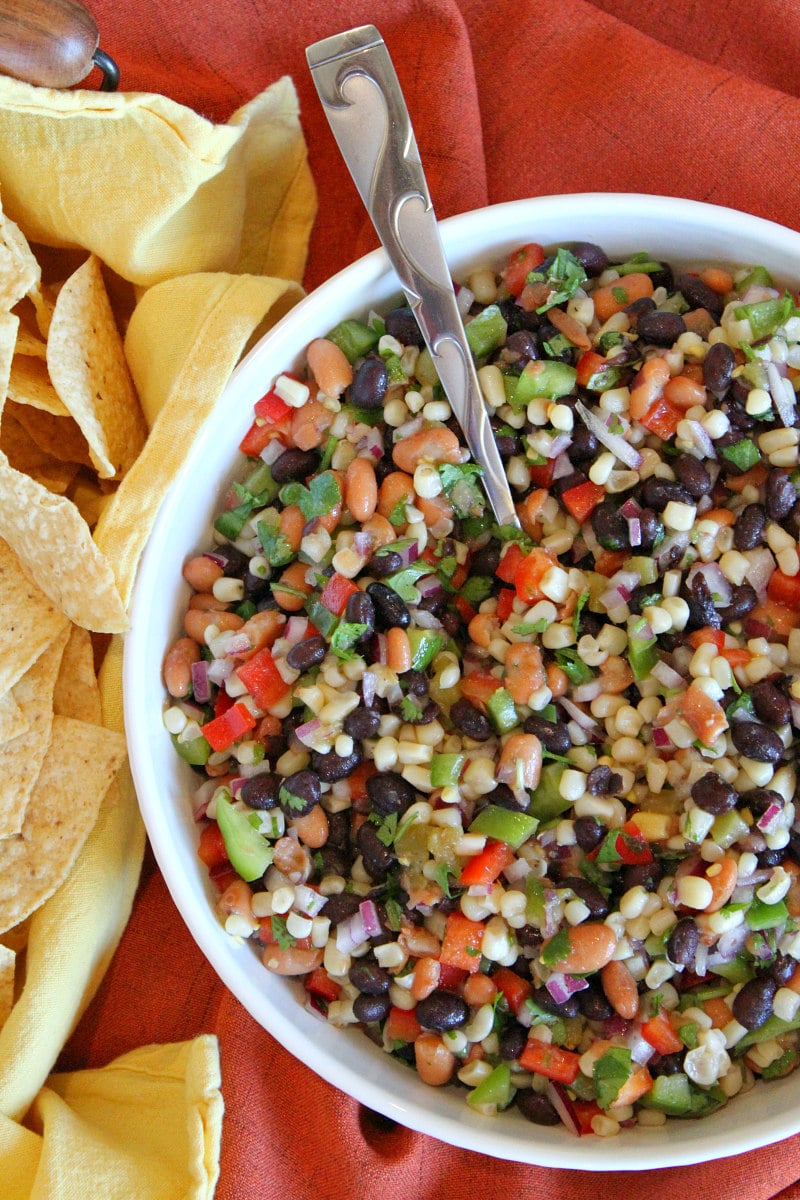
<point x="50" y="43"/>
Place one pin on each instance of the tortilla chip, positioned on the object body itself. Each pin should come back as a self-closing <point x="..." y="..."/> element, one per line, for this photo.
<point x="58" y="437"/>
<point x="19" y="270"/>
<point x="55" y="546"/>
<point x="25" y="455"/>
<point x="30" y="344"/>
<point x="28" y="620"/>
<point x="30" y="384"/>
<point x="9" y="330"/>
<point x="76" y="691"/>
<point x="16" y="938"/>
<point x="89" y="497"/>
<point x="12" y="720"/>
<point x="8" y="960"/>
<point x="21" y="758"/>
<point x="79" y="767"/>
<point x="88" y="370"/>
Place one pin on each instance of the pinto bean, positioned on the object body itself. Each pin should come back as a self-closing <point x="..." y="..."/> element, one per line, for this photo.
<point x="620" y="989"/>
<point x="201" y="572"/>
<point x="312" y="827"/>
<point x="435" y="1063"/>
<point x="361" y="489"/>
<point x="330" y="367"/>
<point x="436" y="445"/>
<point x="197" y="621"/>
<point x="521" y="757"/>
<point x="177" y="669"/>
<point x="591" y="946"/>
<point x="294" y="960"/>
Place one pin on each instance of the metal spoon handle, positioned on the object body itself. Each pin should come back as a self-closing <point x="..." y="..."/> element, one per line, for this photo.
<point x="361" y="96"/>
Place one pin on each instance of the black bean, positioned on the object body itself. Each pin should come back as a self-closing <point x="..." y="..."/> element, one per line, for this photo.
<point x="340" y="906"/>
<point x="415" y="682"/>
<point x="782" y="968"/>
<point x="295" y="464"/>
<point x="362" y="723"/>
<point x="650" y="528"/>
<point x="360" y="610"/>
<point x="390" y="610"/>
<point x="771" y="858"/>
<point x="743" y="600"/>
<point x="566" y="1008"/>
<point x="660" y="328"/>
<point x="693" y="475"/>
<point x="770" y="703"/>
<point x="261" y="791"/>
<point x="471" y="721"/>
<point x="589" y="893"/>
<point x="332" y="766"/>
<point x="640" y="308"/>
<point x="503" y="797"/>
<point x="306" y="654"/>
<point x="370" y="383"/>
<point x="699" y="295"/>
<point x="602" y="781"/>
<point x="759" y="800"/>
<point x="588" y="832"/>
<point x="485" y="560"/>
<point x="752" y="1004"/>
<point x="421" y="714"/>
<point x="748" y="532"/>
<point x="683" y="941"/>
<point x="256" y="587"/>
<point x="610" y="527"/>
<point x="442" y="1011"/>
<point x="554" y="737"/>
<point x="593" y="1004"/>
<point x="531" y="937"/>
<point x="376" y="857"/>
<point x="718" y="367"/>
<point x="646" y="875"/>
<point x="666" y="1064"/>
<point x="755" y="741"/>
<point x="236" y="564"/>
<point x="507" y="446"/>
<point x="402" y="324"/>
<point x="584" y="445"/>
<point x="702" y="610"/>
<point x="299" y="793"/>
<point x="535" y="1107"/>
<point x="332" y="860"/>
<point x="389" y="793"/>
<point x="592" y="258"/>
<point x="367" y="1009"/>
<point x="512" y="1040"/>
<point x="781" y="495"/>
<point x="383" y="564"/>
<point x="520" y="348"/>
<point x="657" y="493"/>
<point x="369" y="978"/>
<point x="714" y="794"/>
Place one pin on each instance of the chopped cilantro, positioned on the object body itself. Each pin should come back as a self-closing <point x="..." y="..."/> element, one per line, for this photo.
<point x="409" y="709"/>
<point x="296" y="803"/>
<point x="476" y="589"/>
<point x="557" y="949"/>
<point x="447" y="566"/>
<point x="281" y="934"/>
<point x="403" y="581"/>
<point x="394" y="914"/>
<point x="529" y="627"/>
<point x="510" y="533"/>
<point x="275" y="545"/>
<point x="321" y="496"/>
<point x="386" y="827"/>
<point x="460" y="487"/>
<point x="573" y="666"/>
<point x="611" y="1071"/>
<point x="344" y="638"/>
<point x="580" y="604"/>
<point x="744" y="454"/>
<point x="443" y="876"/>
<point x="620" y="295"/>
<point x="565" y="275"/>
<point x="397" y="516"/>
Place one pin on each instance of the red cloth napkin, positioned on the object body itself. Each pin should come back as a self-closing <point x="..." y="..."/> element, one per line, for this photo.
<point x="508" y="100"/>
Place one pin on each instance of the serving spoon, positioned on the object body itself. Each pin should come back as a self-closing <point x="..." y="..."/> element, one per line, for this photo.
<point x="363" y="101"/>
<point x="52" y="43"/>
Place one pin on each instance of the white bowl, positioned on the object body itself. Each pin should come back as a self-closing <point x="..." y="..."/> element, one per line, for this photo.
<point x="670" y="228"/>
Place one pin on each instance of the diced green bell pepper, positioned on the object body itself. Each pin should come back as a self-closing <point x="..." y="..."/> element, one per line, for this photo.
<point x="773" y="1027"/>
<point x="766" y="316"/>
<point x="670" y="1094"/>
<point x="547" y="801"/>
<point x="736" y="970"/>
<point x="195" y="751"/>
<point x="728" y="828"/>
<point x="487" y="331"/>
<point x="642" y="656"/>
<point x="758" y="277"/>
<point x="494" y="1093"/>
<point x="504" y="825"/>
<point x="543" y="379"/>
<point x="766" y="916"/>
<point x="446" y="769"/>
<point x="425" y="645"/>
<point x="502" y="710"/>
<point x="354" y="338"/>
<point x="249" y="852"/>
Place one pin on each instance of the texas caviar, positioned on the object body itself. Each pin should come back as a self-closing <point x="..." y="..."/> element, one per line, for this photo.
<point x="520" y="802"/>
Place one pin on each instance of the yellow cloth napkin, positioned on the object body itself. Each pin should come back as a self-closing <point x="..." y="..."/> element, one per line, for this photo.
<point x="213" y="222"/>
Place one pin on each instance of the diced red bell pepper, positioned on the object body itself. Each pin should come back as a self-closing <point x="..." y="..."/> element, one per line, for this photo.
<point x="221" y="732"/>
<point x="585" y="1111"/>
<point x="505" y="603"/>
<point x="211" y="848"/>
<point x="478" y="687"/>
<point x="542" y="1058"/>
<point x="461" y="945"/>
<point x="337" y="592"/>
<point x="401" y="1025"/>
<point x="581" y="501"/>
<point x="451" y="978"/>
<point x="662" y="418"/>
<point x="520" y="264"/>
<point x="705" y="717"/>
<point x="357" y="780"/>
<point x="658" y="1032"/>
<point x="589" y="364"/>
<point x="631" y="846"/>
<point x="485" y="867"/>
<point x="784" y="589"/>
<point x="262" y="679"/>
<point x="699" y="637"/>
<point x="222" y="702"/>
<point x="464" y="609"/>
<point x="271" y="408"/>
<point x="515" y="989"/>
<point x="542" y="473"/>
<point x="222" y="876"/>
<point x="509" y="563"/>
<point x="610" y="561"/>
<point x="319" y="983"/>
<point x="261" y="432"/>
<point x="530" y="573"/>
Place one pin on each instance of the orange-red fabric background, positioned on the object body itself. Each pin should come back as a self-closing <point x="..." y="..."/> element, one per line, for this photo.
<point x="509" y="99"/>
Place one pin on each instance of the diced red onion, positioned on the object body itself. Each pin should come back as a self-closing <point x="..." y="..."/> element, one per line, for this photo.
<point x="368" y="688"/>
<point x="667" y="675"/>
<point x="552" y="914"/>
<point x="731" y="943"/>
<point x="700" y="438"/>
<point x="623" y="450"/>
<point x="560" y="443"/>
<point x="634" y="531"/>
<point x="584" y="693"/>
<point x="202" y="798"/>
<point x="408" y="553"/>
<point x="409" y="428"/>
<point x="768" y="817"/>
<point x="350" y="932"/>
<point x="219" y="559"/>
<point x="718" y="583"/>
<point x="758" y="292"/>
<point x="559" y="1098"/>
<point x="370" y="918"/>
<point x="464" y="299"/>
<point x="701" y="959"/>
<point x="585" y="720"/>
<point x="426" y="620"/>
<point x="237" y="645"/>
<point x="362" y="544"/>
<point x="563" y="467"/>
<point x="305" y="733"/>
<point x="661" y="738"/>
<point x="219" y="670"/>
<point x="561" y="986"/>
<point x="272" y="451"/>
<point x="429" y="585"/>
<point x="236" y="785"/>
<point x="193" y="711"/>
<point x="782" y="394"/>
<point x="760" y="571"/>
<point x="296" y="629"/>
<point x="379" y="650"/>
<point x="641" y="1050"/>
<point x="665" y="551"/>
<point x="308" y="901"/>
<point x="625" y="582"/>
<point x="615" y="1026"/>
<point x="631" y="508"/>
<point x="372" y="442"/>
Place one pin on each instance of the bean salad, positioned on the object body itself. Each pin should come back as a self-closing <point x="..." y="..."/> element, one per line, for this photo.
<point x="520" y="802"/>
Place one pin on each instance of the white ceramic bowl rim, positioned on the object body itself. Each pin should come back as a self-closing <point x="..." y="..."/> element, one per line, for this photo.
<point x="622" y="223"/>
